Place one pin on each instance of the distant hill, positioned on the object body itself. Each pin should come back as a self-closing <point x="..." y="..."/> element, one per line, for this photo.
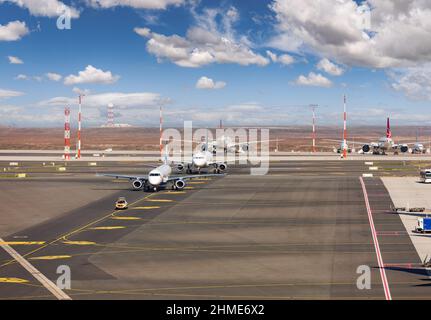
<point x="136" y="138"/>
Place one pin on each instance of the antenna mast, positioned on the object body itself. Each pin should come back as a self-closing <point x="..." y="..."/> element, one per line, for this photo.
<point x="313" y="108"/>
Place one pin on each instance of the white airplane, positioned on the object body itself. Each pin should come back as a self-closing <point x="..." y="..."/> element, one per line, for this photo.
<point x="386" y="144"/>
<point x="202" y="159"/>
<point x="419" y="148"/>
<point x="224" y="142"/>
<point x="158" y="178"/>
<point x="343" y="146"/>
<point x="229" y="145"/>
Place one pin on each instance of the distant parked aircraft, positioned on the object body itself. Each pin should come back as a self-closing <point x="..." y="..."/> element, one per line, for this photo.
<point x="387" y="144"/>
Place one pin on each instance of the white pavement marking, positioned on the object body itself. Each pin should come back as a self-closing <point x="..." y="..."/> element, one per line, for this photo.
<point x="48" y="284"/>
<point x="376" y="244"/>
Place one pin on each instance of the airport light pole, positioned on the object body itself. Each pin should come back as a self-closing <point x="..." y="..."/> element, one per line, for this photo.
<point x="78" y="154"/>
<point x="313" y="108"/>
<point x="161" y="132"/>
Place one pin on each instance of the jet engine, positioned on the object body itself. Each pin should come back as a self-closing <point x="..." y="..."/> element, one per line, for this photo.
<point x="180" y="167"/>
<point x="404" y="149"/>
<point x="180" y="184"/>
<point x="137" y="184"/>
<point x="222" y="166"/>
<point x="366" y="148"/>
<point x="245" y="147"/>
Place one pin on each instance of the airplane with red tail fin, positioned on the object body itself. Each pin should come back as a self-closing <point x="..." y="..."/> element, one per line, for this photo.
<point x="387" y="144"/>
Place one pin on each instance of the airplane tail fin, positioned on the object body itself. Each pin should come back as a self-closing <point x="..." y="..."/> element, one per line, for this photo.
<point x="388" y="129"/>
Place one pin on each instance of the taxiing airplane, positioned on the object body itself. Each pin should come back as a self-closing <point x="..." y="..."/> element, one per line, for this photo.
<point x="202" y="159"/>
<point x="158" y="178"/>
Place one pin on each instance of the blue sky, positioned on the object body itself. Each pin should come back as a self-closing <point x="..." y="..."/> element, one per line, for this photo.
<point x="246" y="62"/>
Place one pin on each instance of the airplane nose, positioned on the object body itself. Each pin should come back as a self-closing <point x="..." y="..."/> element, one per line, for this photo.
<point x="199" y="162"/>
<point x="155" y="181"/>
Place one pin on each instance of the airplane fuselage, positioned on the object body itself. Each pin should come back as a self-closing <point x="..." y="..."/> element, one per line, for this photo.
<point x="385" y="143"/>
<point x="202" y="159"/>
<point x="159" y="175"/>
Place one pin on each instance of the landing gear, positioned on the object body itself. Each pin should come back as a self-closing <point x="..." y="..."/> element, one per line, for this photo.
<point x="148" y="188"/>
<point x="216" y="170"/>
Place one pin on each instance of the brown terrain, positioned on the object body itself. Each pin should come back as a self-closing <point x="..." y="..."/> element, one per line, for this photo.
<point x="291" y="138"/>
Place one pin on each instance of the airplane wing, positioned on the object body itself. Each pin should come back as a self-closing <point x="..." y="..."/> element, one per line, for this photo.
<point x="326" y="147"/>
<point x="413" y="143"/>
<point x="190" y="177"/>
<point x="120" y="176"/>
<point x="192" y="141"/>
<point x="255" y="142"/>
<point x="181" y="162"/>
<point x="348" y="141"/>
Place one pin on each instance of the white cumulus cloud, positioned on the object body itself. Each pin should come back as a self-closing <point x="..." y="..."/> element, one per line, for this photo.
<point x="414" y="82"/>
<point x="13" y="31"/>
<point x="329" y="67"/>
<point x="15" y="60"/>
<point x="211" y="40"/>
<point x="45" y="8"/>
<point x="21" y="77"/>
<point x="137" y="4"/>
<point x="283" y="58"/>
<point x="392" y="34"/>
<point x="54" y="76"/>
<point x="208" y="83"/>
<point x="313" y="79"/>
<point x="91" y="75"/>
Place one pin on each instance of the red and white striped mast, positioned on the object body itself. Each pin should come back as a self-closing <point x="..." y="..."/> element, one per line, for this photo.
<point x="78" y="154"/>
<point x="66" y="133"/>
<point x="345" y="130"/>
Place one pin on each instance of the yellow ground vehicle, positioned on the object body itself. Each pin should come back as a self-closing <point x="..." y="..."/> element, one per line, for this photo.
<point x="121" y="204"/>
